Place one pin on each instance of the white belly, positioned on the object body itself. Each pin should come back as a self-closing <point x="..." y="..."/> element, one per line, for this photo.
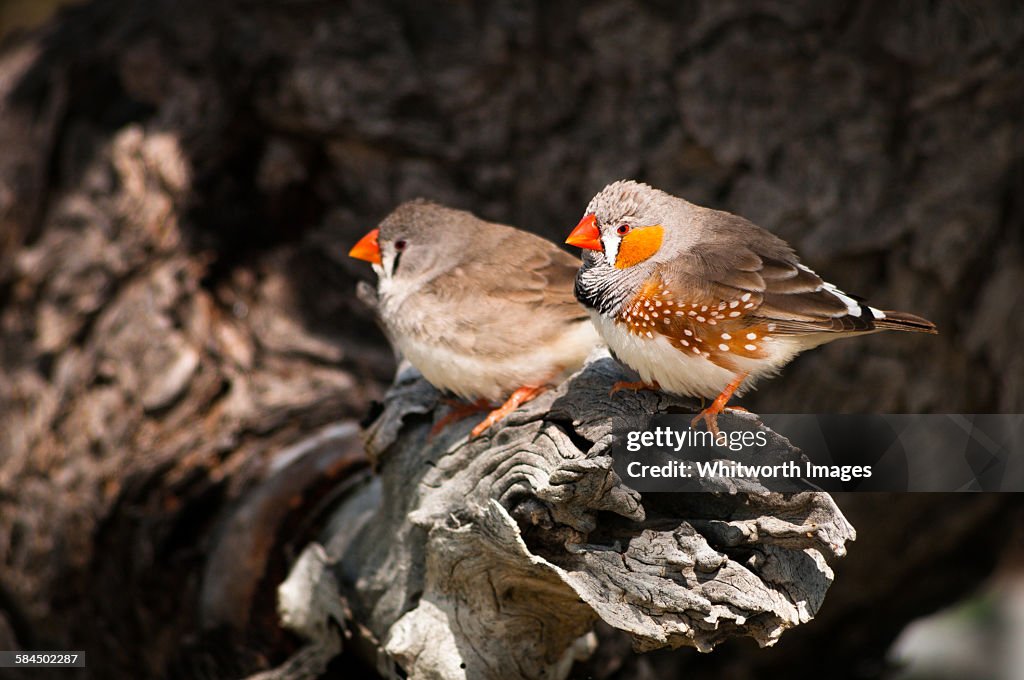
<point x="494" y="379"/>
<point x="658" y="360"/>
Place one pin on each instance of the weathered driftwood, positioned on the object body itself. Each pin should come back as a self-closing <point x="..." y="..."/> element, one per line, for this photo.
<point x="496" y="557"/>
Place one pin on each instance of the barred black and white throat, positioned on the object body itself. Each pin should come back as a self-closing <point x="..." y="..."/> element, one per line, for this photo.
<point x="601" y="287"/>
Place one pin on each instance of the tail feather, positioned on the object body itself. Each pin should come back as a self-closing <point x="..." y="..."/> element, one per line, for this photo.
<point x="904" y="321"/>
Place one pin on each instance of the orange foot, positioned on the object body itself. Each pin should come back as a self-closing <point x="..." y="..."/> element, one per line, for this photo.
<point x="710" y="414"/>
<point x="459" y="410"/>
<point x="634" y="386"/>
<point x="518" y="398"/>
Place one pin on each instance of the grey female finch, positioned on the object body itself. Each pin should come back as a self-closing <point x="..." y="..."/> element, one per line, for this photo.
<point x="701" y="302"/>
<point x="483" y="310"/>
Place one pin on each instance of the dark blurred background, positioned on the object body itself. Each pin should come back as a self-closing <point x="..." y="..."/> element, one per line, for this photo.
<point x="180" y="182"/>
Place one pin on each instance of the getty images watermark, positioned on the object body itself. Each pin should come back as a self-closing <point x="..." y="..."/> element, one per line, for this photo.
<point x="829" y="452"/>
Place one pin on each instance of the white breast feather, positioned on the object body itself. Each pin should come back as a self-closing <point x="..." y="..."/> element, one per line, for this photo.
<point x="472" y="377"/>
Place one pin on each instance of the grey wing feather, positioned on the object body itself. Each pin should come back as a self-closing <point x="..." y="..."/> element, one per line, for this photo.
<point x="784" y="292"/>
<point x="522" y="295"/>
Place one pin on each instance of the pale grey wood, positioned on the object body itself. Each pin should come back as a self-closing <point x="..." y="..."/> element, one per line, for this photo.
<point x="494" y="558"/>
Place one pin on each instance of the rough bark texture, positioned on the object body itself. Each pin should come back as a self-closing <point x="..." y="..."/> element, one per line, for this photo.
<point x="494" y="558"/>
<point x="180" y="348"/>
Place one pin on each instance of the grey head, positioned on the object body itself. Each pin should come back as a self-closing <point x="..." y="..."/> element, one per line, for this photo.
<point x="420" y="240"/>
<point x="657" y="225"/>
<point x="626" y="206"/>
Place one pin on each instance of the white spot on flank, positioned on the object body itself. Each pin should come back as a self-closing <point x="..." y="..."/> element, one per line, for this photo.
<point x="696" y="351"/>
<point x="751" y="336"/>
<point x="657" y="303"/>
<point x="704" y="308"/>
<point x="750" y="348"/>
<point x="726" y="336"/>
<point x="748" y="305"/>
<point x="745" y="297"/>
<point x="686" y="343"/>
<point x="734" y="304"/>
<point x="701" y="319"/>
<point x="724" y="347"/>
<point x="649" y="334"/>
<point x="687" y="331"/>
<point x="734" y="313"/>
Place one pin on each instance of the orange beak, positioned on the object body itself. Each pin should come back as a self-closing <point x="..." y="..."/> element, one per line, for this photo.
<point x="586" y="234"/>
<point x="367" y="249"/>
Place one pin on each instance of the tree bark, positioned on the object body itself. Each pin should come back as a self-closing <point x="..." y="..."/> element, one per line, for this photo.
<point x="495" y="557"/>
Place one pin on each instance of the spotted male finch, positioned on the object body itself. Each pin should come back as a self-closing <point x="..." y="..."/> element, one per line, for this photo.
<point x="701" y="302"/>
<point x="483" y="310"/>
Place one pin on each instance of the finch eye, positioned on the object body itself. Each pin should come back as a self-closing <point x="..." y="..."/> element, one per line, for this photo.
<point x="623" y="229"/>
<point x="400" y="245"/>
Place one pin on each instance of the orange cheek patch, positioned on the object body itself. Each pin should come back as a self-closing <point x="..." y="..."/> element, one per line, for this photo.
<point x="638" y="245"/>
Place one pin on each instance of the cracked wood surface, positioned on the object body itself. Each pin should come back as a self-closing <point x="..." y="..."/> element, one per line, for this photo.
<point x="496" y="557"/>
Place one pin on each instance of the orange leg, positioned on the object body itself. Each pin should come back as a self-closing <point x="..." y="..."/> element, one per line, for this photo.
<point x="459" y="410"/>
<point x="710" y="414"/>
<point x="634" y="386"/>
<point x="518" y="398"/>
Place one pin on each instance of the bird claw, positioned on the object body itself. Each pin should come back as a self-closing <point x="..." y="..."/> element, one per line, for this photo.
<point x="710" y="414"/>
<point x="459" y="410"/>
<point x="518" y="398"/>
<point x="710" y="417"/>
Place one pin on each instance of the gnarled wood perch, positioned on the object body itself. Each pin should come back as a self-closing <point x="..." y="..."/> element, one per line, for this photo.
<point x="495" y="557"/>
